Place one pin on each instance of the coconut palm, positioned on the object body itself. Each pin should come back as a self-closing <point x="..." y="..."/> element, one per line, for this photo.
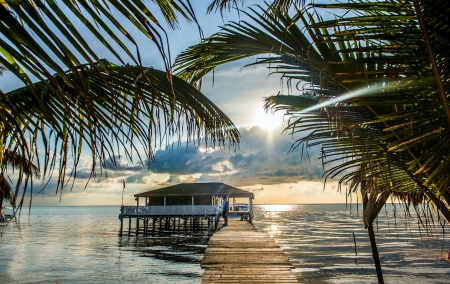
<point x="83" y="102"/>
<point x="130" y="112"/>
<point x="20" y="163"/>
<point x="45" y="41"/>
<point x="375" y="96"/>
<point x="40" y="38"/>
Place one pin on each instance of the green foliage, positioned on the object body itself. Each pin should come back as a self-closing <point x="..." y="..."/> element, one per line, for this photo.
<point x="40" y="38"/>
<point x="124" y="107"/>
<point x="380" y="85"/>
<point x="82" y="102"/>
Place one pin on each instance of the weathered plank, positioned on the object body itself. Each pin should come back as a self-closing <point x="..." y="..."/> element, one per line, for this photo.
<point x="238" y="253"/>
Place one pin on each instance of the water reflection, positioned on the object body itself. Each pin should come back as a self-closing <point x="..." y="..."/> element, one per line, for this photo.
<point x="274" y="230"/>
<point x="57" y="245"/>
<point x="320" y="242"/>
<point x="276" y="207"/>
<point x="175" y="248"/>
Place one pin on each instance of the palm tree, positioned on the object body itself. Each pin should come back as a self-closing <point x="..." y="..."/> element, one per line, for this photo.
<point x="20" y="163"/>
<point x="132" y="110"/>
<point x="81" y="101"/>
<point x="40" y="38"/>
<point x="375" y="96"/>
<point x="44" y="39"/>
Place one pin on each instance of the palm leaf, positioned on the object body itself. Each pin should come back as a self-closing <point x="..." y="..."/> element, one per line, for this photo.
<point x="135" y="109"/>
<point x="44" y="37"/>
<point x="370" y="73"/>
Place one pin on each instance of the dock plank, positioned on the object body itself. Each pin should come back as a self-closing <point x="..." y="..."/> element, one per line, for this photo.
<point x="238" y="253"/>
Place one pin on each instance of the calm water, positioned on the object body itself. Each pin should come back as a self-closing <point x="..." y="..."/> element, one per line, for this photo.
<point x="81" y="245"/>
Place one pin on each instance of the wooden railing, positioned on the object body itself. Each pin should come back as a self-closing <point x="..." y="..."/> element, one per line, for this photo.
<point x="175" y="210"/>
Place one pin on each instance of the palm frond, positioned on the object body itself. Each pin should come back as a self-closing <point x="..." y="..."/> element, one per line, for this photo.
<point x="378" y="111"/>
<point x="134" y="110"/>
<point x="223" y="5"/>
<point x="40" y="38"/>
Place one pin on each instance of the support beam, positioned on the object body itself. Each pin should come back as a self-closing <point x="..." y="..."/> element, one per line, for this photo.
<point x="121" y="221"/>
<point x="137" y="219"/>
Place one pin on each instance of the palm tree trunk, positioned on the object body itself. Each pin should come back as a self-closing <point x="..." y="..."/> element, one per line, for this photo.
<point x="1" y="204"/>
<point x="375" y="254"/>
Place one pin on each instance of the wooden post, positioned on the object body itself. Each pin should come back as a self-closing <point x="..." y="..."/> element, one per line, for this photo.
<point x="250" y="201"/>
<point x="145" y="226"/>
<point x="121" y="221"/>
<point x="209" y="221"/>
<point x="129" y="226"/>
<point x="153" y="226"/>
<point x="137" y="219"/>
<point x="137" y="226"/>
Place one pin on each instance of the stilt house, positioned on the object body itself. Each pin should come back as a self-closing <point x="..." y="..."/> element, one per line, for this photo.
<point x="182" y="207"/>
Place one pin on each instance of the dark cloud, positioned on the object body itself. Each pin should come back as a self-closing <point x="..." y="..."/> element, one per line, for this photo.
<point x="118" y="163"/>
<point x="140" y="177"/>
<point x="241" y="161"/>
<point x="185" y="160"/>
<point x="173" y="179"/>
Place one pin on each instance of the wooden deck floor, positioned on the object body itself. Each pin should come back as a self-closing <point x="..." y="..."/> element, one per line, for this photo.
<point x="238" y="253"/>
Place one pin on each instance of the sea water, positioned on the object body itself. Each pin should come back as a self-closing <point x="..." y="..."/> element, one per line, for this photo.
<point x="325" y="243"/>
<point x="329" y="244"/>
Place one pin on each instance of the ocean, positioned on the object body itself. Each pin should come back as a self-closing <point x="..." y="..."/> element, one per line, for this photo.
<point x="325" y="243"/>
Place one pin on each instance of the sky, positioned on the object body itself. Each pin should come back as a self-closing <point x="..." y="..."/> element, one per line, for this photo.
<point x="262" y="163"/>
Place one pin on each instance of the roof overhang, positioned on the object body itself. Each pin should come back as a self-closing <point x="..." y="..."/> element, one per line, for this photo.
<point x="197" y="189"/>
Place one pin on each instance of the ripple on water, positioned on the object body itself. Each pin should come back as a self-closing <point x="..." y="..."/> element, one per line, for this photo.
<point x="321" y="246"/>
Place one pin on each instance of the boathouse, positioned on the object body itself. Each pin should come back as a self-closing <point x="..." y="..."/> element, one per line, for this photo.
<point x="192" y="208"/>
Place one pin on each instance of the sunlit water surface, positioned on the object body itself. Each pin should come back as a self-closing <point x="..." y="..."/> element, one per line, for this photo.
<point x="81" y="245"/>
<point x="320" y="242"/>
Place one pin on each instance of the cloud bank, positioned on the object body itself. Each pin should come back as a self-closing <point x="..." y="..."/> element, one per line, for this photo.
<point x="262" y="159"/>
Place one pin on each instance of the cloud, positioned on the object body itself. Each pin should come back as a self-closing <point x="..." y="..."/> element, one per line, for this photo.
<point x="185" y="160"/>
<point x="118" y="163"/>
<point x="262" y="162"/>
<point x="262" y="158"/>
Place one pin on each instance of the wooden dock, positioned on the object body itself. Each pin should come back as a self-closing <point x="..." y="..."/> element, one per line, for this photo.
<point x="238" y="253"/>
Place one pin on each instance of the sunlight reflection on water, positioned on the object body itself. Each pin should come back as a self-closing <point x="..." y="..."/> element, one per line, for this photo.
<point x="319" y="242"/>
<point x="269" y="208"/>
<point x="80" y="244"/>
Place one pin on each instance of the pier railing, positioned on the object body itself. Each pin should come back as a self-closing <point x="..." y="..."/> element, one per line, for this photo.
<point x="175" y="210"/>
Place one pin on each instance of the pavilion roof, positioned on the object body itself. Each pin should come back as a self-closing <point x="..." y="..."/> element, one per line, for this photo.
<point x="197" y="189"/>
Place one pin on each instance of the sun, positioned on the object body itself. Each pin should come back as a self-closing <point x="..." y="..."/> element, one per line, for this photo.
<point x="268" y="121"/>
